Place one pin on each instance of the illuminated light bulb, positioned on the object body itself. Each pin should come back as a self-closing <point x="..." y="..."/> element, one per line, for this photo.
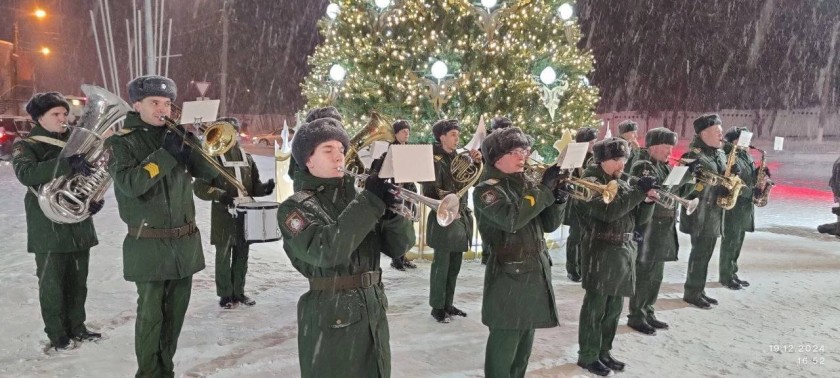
<point x="566" y="11"/>
<point x="439" y="70"/>
<point x="332" y="11"/>
<point x="337" y="72"/>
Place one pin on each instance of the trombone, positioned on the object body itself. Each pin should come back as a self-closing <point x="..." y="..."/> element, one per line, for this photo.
<point x="446" y="209"/>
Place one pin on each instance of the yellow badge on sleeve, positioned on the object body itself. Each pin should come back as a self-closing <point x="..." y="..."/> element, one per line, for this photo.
<point x="152" y="168"/>
<point x="531" y="200"/>
<point x="699" y="187"/>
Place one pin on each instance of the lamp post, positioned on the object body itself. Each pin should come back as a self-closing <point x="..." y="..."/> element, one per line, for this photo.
<point x="437" y="87"/>
<point x="551" y="94"/>
<point x="566" y="11"/>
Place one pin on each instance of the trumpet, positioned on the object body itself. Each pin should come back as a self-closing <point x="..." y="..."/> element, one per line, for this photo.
<point x="586" y="191"/>
<point x="446" y="209"/>
<point x="670" y="200"/>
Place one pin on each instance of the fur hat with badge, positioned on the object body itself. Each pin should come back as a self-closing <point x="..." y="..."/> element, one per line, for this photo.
<point x="660" y="135"/>
<point x="326" y="112"/>
<point x="444" y="126"/>
<point x="733" y="134"/>
<point x="151" y="85"/>
<point x="627" y="126"/>
<point x="41" y="103"/>
<point x="705" y="121"/>
<point x="311" y="134"/>
<point x="585" y="134"/>
<point x="502" y="141"/>
<point x="610" y="148"/>
<point x="400" y="125"/>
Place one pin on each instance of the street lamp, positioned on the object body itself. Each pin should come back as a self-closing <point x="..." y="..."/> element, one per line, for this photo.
<point x="45" y="51"/>
<point x="550" y="94"/>
<point x="40" y="13"/>
<point x="337" y="74"/>
<point x="333" y="10"/>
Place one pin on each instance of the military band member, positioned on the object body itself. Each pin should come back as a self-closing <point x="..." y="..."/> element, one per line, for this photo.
<point x="704" y="224"/>
<point x="452" y="241"/>
<point x="514" y="214"/>
<point x="402" y="131"/>
<point x="608" y="253"/>
<point x="584" y="135"/>
<point x="62" y="250"/>
<point x="152" y="169"/>
<point x="316" y="113"/>
<point x="333" y="235"/>
<point x="497" y="123"/>
<point x="231" y="249"/>
<point x="740" y="219"/>
<point x="629" y="131"/>
<point x="658" y="237"/>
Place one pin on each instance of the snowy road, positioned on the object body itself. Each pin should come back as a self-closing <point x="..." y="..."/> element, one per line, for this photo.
<point x="786" y="324"/>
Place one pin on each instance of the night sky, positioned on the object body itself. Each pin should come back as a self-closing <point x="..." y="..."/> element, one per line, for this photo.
<point x="650" y="54"/>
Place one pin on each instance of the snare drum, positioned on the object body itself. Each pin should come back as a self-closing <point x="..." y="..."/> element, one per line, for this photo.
<point x="259" y="221"/>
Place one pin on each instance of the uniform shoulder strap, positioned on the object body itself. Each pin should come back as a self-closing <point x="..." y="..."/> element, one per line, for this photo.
<point x="124" y="131"/>
<point x="301" y="196"/>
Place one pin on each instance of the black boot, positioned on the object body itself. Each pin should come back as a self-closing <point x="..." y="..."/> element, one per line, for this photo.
<point x="397" y="264"/>
<point x="709" y="299"/>
<point x="227" y="303"/>
<point x="484" y="257"/>
<point x="63" y="343"/>
<point x="611" y="362"/>
<point x="87" y="336"/>
<point x="596" y="367"/>
<point x="244" y="299"/>
<point x="731" y="284"/>
<point x="742" y="282"/>
<point x="655" y="323"/>
<point x="828" y="228"/>
<point x="408" y="264"/>
<point x="574" y="276"/>
<point x="454" y="311"/>
<point x="641" y="326"/>
<point x="698" y="302"/>
<point x="440" y="315"/>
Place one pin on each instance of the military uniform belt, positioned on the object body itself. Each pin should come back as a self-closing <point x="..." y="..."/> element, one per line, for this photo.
<point x="364" y="280"/>
<point x="163" y="233"/>
<point x="615" y="238"/>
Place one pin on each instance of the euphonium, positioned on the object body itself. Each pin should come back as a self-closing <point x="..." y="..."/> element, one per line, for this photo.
<point x="377" y="129"/>
<point x="763" y="183"/>
<point x="67" y="199"/>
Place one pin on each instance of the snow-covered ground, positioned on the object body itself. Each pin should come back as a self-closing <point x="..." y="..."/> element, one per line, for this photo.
<point x="786" y="324"/>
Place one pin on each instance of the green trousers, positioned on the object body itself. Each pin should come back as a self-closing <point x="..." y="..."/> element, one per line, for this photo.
<point x="573" y="249"/>
<point x="507" y="352"/>
<point x="702" y="248"/>
<point x="598" y="323"/>
<point x="648" y="281"/>
<point x="231" y="267"/>
<point x="161" y="306"/>
<point x="730" y="250"/>
<point x="444" y="275"/>
<point x="62" y="291"/>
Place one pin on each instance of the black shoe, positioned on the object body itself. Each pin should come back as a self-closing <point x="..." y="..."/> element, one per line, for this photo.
<point x="440" y="315"/>
<point x="698" y="302"/>
<point x="641" y="326"/>
<point x="63" y="343"/>
<point x="398" y="264"/>
<point x="87" y="336"/>
<point x="227" y="303"/>
<point x="731" y="284"/>
<point x="709" y="299"/>
<point x="742" y="282"/>
<point x="828" y="228"/>
<point x="244" y="299"/>
<point x="484" y="257"/>
<point x="835" y="210"/>
<point x="573" y="276"/>
<point x="408" y="264"/>
<point x="611" y="362"/>
<point x="596" y="367"/>
<point x="454" y="311"/>
<point x="655" y="323"/>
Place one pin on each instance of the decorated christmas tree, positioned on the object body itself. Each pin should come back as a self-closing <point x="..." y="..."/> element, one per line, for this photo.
<point x="425" y="60"/>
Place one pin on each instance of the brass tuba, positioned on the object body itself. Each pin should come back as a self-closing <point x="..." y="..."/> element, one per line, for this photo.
<point x="67" y="199"/>
<point x="377" y="129"/>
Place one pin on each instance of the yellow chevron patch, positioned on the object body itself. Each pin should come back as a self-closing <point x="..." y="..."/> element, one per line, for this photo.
<point x="531" y="200"/>
<point x="153" y="169"/>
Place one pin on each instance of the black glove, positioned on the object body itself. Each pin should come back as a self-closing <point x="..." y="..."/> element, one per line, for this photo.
<point x="174" y="144"/>
<point x="767" y="172"/>
<point x="96" y="206"/>
<point x="226" y="199"/>
<point x="735" y="170"/>
<point x="560" y="197"/>
<point x="379" y="187"/>
<point x="550" y="176"/>
<point x="646" y="183"/>
<point x="694" y="167"/>
<point x="79" y="165"/>
<point x="268" y="187"/>
<point x="721" y="191"/>
<point x="756" y="191"/>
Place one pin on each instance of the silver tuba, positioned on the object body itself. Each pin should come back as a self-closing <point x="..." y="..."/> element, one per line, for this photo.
<point x="67" y="199"/>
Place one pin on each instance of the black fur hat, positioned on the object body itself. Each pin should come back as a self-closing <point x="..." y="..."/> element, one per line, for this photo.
<point x="502" y="141"/>
<point x="151" y="85"/>
<point x="500" y="123"/>
<point x="311" y="134"/>
<point x="734" y="133"/>
<point x="327" y="112"/>
<point x="705" y="121"/>
<point x="401" y="125"/>
<point x="41" y="103"/>
<point x="586" y="134"/>
<point x="660" y="135"/>
<point x="444" y="126"/>
<point x="627" y="126"/>
<point x="610" y="148"/>
<point x="232" y="120"/>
